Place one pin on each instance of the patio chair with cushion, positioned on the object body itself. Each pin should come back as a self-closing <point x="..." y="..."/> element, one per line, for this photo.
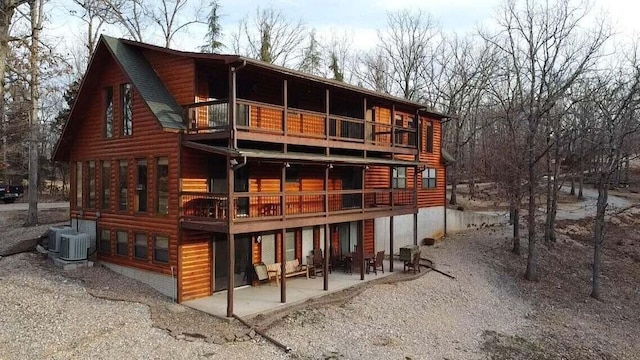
<point x="376" y="263"/>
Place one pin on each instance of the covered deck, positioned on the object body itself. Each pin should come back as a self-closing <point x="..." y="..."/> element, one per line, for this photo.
<point x="251" y="301"/>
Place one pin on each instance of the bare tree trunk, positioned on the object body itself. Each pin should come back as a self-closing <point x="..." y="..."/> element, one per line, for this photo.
<point x="532" y="258"/>
<point x="515" y="218"/>
<point x="547" y="223"/>
<point x="36" y="25"/>
<point x="573" y="185"/>
<point x="599" y="230"/>
<point x="471" y="169"/>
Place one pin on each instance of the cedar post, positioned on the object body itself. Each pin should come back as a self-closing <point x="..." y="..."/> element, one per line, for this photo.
<point x="327" y="254"/>
<point x="391" y="244"/>
<point x="283" y="277"/>
<point x="361" y="249"/>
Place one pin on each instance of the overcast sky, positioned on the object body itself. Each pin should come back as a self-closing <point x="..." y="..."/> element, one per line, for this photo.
<point x="359" y="19"/>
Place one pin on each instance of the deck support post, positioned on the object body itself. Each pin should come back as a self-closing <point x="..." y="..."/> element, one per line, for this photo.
<point x="327" y="254"/>
<point x="230" y="275"/>
<point x="415" y="204"/>
<point x="361" y="249"/>
<point x="230" y="236"/>
<point x="285" y="101"/>
<point x="283" y="277"/>
<point x="391" y="244"/>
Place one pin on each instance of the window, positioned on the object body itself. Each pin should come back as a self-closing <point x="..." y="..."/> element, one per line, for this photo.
<point x="268" y="249"/>
<point x="140" y="247"/>
<point x="411" y="136"/>
<point x="398" y="129"/>
<point x="292" y="175"/>
<point x="122" y="245"/>
<point x="290" y="246"/>
<point x="106" y="184"/>
<point x="108" y="112"/>
<point x="91" y="184"/>
<point x="105" y="241"/>
<point x="127" y="109"/>
<point x="123" y="184"/>
<point x="161" y="249"/>
<point x="429" y="179"/>
<point x="162" y="186"/>
<point x="79" y="185"/>
<point x="430" y="136"/>
<point x="141" y="186"/>
<point x="399" y="178"/>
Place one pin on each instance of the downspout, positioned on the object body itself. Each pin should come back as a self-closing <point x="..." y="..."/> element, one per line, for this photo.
<point x="234" y="129"/>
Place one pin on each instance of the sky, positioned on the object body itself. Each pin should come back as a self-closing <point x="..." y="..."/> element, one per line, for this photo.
<point x="358" y="19"/>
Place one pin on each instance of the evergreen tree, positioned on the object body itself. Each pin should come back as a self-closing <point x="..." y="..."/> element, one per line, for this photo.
<point x="214" y="33"/>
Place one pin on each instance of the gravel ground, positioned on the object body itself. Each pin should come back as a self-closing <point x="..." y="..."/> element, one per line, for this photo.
<point x="433" y="317"/>
<point x="44" y="315"/>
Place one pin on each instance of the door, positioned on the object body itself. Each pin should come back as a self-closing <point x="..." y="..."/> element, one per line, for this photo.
<point x="307" y="243"/>
<point x="243" y="269"/>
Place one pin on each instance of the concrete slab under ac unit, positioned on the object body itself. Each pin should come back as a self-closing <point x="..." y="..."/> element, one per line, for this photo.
<point x="72" y="265"/>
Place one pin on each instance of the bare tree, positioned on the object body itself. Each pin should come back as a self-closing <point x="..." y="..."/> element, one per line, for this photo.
<point x="547" y="53"/>
<point x="405" y="44"/>
<point x="95" y="15"/>
<point x="372" y="71"/>
<point x="130" y="14"/>
<point x="37" y="14"/>
<point x="617" y="100"/>
<point x="170" y="17"/>
<point x="270" y="37"/>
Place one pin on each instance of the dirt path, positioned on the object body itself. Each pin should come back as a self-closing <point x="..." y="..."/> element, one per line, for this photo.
<point x="587" y="208"/>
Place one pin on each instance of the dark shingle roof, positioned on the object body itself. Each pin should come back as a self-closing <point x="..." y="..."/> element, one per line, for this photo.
<point x="147" y="83"/>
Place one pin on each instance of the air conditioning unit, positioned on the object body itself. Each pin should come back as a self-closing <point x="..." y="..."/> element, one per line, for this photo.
<point x="74" y="246"/>
<point x="54" y="236"/>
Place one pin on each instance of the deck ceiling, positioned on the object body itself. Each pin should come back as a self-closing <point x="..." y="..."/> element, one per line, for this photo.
<point x="296" y="157"/>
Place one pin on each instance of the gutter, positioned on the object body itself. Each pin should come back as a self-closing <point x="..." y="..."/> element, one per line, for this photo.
<point x="234" y="129"/>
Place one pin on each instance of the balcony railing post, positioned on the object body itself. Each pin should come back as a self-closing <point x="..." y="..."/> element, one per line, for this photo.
<point x="285" y="113"/>
<point x="326" y="116"/>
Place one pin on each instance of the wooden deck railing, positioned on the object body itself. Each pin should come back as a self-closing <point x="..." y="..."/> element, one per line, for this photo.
<point x="255" y="116"/>
<point x="247" y="206"/>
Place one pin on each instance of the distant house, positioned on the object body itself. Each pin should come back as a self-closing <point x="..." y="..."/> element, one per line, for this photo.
<point x="176" y="155"/>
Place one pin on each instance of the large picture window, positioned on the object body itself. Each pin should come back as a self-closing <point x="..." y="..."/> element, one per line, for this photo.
<point x="162" y="186"/>
<point x="399" y="178"/>
<point x="108" y="112"/>
<point x="429" y="179"/>
<point x="127" y="109"/>
<point x="123" y="184"/>
<point x="106" y="184"/>
<point x="141" y="186"/>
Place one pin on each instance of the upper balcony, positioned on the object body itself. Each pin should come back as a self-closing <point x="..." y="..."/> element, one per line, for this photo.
<point x="259" y="121"/>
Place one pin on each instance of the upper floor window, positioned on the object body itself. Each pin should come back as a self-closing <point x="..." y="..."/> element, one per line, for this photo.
<point x="162" y="186"/>
<point x="399" y="178"/>
<point x="141" y="186"/>
<point x="108" y="112"/>
<point x="429" y="179"/>
<point x="429" y="136"/>
<point x="127" y="109"/>
<point x="398" y="129"/>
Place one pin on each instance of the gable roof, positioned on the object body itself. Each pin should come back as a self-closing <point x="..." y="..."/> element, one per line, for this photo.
<point x="142" y="77"/>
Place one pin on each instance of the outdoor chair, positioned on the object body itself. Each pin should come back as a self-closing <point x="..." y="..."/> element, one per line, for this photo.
<point x="413" y="264"/>
<point x="356" y="262"/>
<point x="376" y="263"/>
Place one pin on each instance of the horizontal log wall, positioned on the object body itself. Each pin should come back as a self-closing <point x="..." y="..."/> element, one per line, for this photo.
<point x="148" y="141"/>
<point x="195" y="269"/>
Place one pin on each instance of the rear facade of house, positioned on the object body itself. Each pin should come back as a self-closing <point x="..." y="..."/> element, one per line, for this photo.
<point x="190" y="168"/>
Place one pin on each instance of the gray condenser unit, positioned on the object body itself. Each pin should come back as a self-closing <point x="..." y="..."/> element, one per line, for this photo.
<point x="74" y="246"/>
<point x="55" y="232"/>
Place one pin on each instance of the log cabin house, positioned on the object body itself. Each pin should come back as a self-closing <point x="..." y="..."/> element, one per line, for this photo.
<point x="189" y="168"/>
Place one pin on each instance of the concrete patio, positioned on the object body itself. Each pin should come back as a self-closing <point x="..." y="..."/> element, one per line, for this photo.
<point x="250" y="301"/>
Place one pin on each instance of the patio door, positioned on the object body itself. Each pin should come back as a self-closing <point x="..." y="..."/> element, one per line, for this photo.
<point x="243" y="269"/>
<point x="307" y="243"/>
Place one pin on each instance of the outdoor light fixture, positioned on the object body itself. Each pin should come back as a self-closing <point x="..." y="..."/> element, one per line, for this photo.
<point x="330" y="166"/>
<point x="233" y="162"/>
<point x="366" y="167"/>
<point x="287" y="165"/>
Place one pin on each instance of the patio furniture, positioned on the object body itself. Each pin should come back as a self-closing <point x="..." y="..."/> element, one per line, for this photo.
<point x="291" y="268"/>
<point x="318" y="262"/>
<point x="413" y="264"/>
<point x="376" y="263"/>
<point x="261" y="271"/>
<point x="354" y="260"/>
